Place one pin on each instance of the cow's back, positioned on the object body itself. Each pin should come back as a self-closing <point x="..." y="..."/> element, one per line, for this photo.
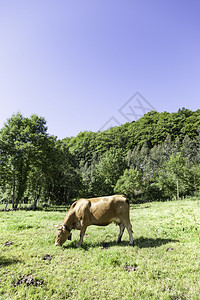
<point x="107" y="209"/>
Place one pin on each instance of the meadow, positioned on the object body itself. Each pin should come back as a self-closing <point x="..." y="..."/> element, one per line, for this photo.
<point x="164" y="262"/>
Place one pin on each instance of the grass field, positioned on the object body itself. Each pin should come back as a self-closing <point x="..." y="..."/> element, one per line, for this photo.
<point x="164" y="263"/>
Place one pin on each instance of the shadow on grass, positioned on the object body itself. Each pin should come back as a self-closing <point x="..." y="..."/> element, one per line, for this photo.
<point x="140" y="243"/>
<point x="152" y="243"/>
<point x="7" y="261"/>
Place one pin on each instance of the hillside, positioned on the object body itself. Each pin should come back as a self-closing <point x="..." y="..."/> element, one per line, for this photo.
<point x="155" y="158"/>
<point x="151" y="129"/>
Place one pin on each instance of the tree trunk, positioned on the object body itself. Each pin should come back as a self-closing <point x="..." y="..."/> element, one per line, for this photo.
<point x="177" y="183"/>
<point x="36" y="199"/>
<point x="13" y="192"/>
<point x="6" y="205"/>
<point x="22" y="178"/>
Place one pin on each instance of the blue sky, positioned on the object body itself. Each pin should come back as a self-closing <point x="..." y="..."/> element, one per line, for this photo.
<point x="77" y="63"/>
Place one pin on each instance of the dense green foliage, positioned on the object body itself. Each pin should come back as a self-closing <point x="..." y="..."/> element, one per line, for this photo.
<point x="155" y="158"/>
<point x="33" y="164"/>
<point x="164" y="262"/>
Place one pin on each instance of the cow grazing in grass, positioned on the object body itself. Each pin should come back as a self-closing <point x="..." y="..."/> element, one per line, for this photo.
<point x="95" y="211"/>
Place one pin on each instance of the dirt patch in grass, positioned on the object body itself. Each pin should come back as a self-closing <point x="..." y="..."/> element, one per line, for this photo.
<point x="29" y="280"/>
<point x="105" y="246"/>
<point x="170" y="249"/>
<point x="47" y="257"/>
<point x="7" y="244"/>
<point x="130" y="268"/>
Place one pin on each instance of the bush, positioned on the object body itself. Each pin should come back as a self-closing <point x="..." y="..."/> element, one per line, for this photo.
<point x="154" y="192"/>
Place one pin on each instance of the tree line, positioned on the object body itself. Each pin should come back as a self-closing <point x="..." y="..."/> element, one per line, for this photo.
<point x="154" y="158"/>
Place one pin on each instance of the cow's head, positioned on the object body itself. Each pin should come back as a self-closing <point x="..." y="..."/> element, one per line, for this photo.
<point x="62" y="234"/>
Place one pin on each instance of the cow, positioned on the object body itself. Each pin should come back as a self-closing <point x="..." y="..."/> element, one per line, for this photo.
<point x="99" y="211"/>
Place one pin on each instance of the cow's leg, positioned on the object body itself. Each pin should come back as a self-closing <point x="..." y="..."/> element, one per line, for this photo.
<point x="121" y="228"/>
<point x="129" y="229"/>
<point x="82" y="233"/>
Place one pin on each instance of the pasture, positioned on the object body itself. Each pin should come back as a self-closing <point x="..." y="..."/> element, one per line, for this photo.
<point x="164" y="262"/>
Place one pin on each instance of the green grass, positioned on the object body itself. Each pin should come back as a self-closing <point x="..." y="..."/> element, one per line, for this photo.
<point x="164" y="263"/>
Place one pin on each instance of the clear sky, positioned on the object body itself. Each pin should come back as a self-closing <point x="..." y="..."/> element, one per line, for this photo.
<point x="77" y="63"/>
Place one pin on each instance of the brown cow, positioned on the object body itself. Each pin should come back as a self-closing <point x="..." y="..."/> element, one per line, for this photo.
<point x="95" y="211"/>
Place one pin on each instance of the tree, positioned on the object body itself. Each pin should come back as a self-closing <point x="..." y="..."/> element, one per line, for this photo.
<point x="110" y="167"/>
<point x="130" y="183"/>
<point x="64" y="180"/>
<point x="88" y="175"/>
<point x="159" y="155"/>
<point x="21" y="141"/>
<point x="174" y="177"/>
<point x="189" y="151"/>
<point x="82" y="146"/>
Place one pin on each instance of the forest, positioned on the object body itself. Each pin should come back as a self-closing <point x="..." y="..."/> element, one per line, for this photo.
<point x="156" y="158"/>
